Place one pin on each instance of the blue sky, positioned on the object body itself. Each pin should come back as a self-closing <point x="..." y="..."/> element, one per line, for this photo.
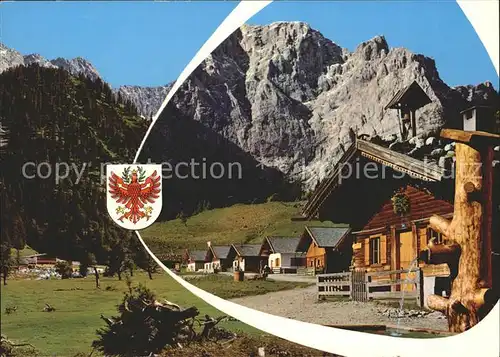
<point x="149" y="43"/>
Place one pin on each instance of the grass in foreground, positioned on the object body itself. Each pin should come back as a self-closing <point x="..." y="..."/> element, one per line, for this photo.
<point x="223" y="226"/>
<point x="71" y="328"/>
<point x="224" y="286"/>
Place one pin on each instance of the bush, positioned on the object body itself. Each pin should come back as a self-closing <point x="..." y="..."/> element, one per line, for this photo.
<point x="65" y="269"/>
<point x="144" y="326"/>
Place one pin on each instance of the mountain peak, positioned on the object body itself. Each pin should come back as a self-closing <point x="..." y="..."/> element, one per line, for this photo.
<point x="373" y="48"/>
<point x="76" y="66"/>
<point x="79" y="65"/>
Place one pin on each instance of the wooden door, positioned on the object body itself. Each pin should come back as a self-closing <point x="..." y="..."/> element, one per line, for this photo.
<point x="406" y="256"/>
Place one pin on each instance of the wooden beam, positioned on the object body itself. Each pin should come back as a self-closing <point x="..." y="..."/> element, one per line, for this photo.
<point x="371" y="231"/>
<point x="471" y="137"/>
<point x="413" y="123"/>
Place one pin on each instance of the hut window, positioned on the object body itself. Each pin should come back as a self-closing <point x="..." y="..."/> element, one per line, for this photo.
<point x="375" y="250"/>
<point x="432" y="234"/>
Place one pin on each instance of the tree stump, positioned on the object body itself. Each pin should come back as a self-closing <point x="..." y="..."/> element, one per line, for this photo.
<point x="467" y="243"/>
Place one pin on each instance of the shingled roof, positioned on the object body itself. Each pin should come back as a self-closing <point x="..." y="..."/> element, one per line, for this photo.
<point x="283" y="244"/>
<point x="197" y="255"/>
<point x="327" y="237"/>
<point x="220" y="251"/>
<point x="412" y="96"/>
<point x="247" y="250"/>
<point x="414" y="168"/>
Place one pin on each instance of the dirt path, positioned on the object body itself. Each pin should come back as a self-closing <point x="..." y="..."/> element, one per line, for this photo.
<point x="302" y="304"/>
<point x="281" y="277"/>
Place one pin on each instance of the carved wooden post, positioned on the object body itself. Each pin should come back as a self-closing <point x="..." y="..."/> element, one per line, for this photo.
<point x="467" y="246"/>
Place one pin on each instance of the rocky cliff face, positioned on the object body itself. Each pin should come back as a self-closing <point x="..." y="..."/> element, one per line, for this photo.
<point x="290" y="97"/>
<point x="147" y="99"/>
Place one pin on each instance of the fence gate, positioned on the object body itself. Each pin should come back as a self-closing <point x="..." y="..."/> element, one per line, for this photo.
<point x="358" y="286"/>
<point x="336" y="284"/>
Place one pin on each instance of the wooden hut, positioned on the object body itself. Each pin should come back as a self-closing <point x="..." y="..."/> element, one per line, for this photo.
<point x="196" y="260"/>
<point x="383" y="237"/>
<point x="174" y="260"/>
<point x="217" y="258"/>
<point x="328" y="249"/>
<point x="407" y="101"/>
<point x="246" y="257"/>
<point x="282" y="255"/>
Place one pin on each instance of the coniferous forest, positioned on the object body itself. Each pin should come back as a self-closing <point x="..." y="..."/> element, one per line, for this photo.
<point x="48" y="116"/>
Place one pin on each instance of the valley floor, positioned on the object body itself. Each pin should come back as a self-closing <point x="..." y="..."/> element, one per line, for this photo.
<point x="71" y="328"/>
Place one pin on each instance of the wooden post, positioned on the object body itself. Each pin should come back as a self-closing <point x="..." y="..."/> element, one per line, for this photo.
<point x="420" y="287"/>
<point x="416" y="245"/>
<point x="467" y="248"/>
<point x="366" y="290"/>
<point x="413" y="123"/>
<point x="351" y="285"/>
<point x="317" y="286"/>
<point x="401" y="125"/>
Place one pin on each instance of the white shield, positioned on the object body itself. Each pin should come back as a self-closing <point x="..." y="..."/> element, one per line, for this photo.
<point x="133" y="194"/>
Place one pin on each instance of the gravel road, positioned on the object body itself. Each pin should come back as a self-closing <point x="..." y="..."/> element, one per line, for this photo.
<point x="302" y="304"/>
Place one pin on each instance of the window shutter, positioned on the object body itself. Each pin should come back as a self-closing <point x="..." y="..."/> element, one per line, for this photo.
<point x="367" y="251"/>
<point x="383" y="249"/>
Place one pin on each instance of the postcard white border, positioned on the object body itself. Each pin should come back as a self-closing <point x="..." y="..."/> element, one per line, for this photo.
<point x="482" y="339"/>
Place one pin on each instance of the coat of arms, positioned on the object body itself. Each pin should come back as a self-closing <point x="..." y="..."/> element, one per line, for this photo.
<point x="134" y="194"/>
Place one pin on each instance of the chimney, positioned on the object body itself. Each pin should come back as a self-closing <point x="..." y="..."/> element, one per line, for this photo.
<point x="478" y="118"/>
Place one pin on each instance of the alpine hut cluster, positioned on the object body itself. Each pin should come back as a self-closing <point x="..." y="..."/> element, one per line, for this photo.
<point x="383" y="218"/>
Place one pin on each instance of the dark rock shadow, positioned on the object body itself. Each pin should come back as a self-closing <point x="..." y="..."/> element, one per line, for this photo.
<point x="178" y="141"/>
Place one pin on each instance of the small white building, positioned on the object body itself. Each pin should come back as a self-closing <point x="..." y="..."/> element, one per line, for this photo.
<point x="282" y="255"/>
<point x="196" y="260"/>
<point x="217" y="258"/>
<point x="246" y="257"/>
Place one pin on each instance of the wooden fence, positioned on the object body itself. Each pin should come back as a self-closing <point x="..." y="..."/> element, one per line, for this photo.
<point x="390" y="285"/>
<point x="358" y="286"/>
<point x="363" y="286"/>
<point x="338" y="284"/>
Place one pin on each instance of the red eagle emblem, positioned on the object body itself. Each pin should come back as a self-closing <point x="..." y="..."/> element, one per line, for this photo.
<point x="134" y="192"/>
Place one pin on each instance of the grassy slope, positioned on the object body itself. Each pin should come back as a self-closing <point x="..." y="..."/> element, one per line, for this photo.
<point x="24" y="252"/>
<point x="71" y="328"/>
<point x="236" y="224"/>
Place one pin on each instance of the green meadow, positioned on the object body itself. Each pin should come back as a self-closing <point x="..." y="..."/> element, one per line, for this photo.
<point x="240" y="223"/>
<point x="71" y="328"/>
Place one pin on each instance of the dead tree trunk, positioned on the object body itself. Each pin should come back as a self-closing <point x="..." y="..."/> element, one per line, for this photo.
<point x="467" y="246"/>
<point x="96" y="273"/>
<point x="5" y="272"/>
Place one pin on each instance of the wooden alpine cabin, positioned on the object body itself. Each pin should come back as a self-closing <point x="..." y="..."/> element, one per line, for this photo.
<point x="282" y="255"/>
<point x="387" y="207"/>
<point x="246" y="257"/>
<point x="174" y="260"/>
<point x="328" y="250"/>
<point x="217" y="258"/>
